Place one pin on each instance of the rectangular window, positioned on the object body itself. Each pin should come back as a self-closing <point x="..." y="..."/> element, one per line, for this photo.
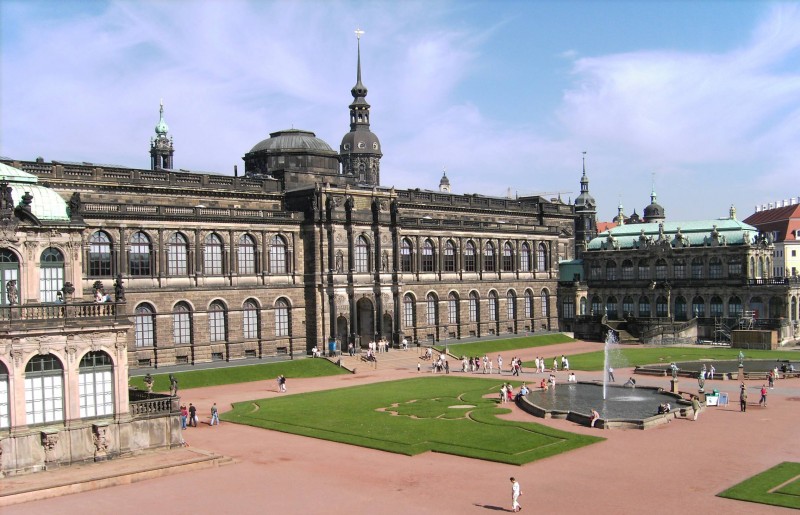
<point x="528" y="306"/>
<point x="408" y="314"/>
<point x="661" y="270"/>
<point x="405" y="259"/>
<point x="216" y="325"/>
<point x="4" y="417"/>
<point x="627" y="272"/>
<point x="493" y="310"/>
<point x="140" y="260"/>
<point x="176" y="260"/>
<point x="181" y="328"/>
<point x="569" y="309"/>
<point x="715" y="270"/>
<point x="449" y="259"/>
<point x="96" y="395"/>
<point x="44" y="399"/>
<point x="99" y="260"/>
<point x="680" y="270"/>
<point x="644" y="271"/>
<point x="50" y="282"/>
<point x="282" y="321"/>
<point x="697" y="270"/>
<point x="510" y="308"/>
<point x="212" y="259"/>
<point x="431" y="312"/>
<point x="250" y="321"/>
<point x="452" y="311"/>
<point x="247" y="259"/>
<point x="473" y="309"/>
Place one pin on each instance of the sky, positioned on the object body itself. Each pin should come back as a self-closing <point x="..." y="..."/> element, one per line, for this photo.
<point x="696" y="100"/>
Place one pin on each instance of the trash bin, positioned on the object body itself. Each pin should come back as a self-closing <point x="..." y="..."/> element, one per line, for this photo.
<point x="332" y="348"/>
<point x="715" y="392"/>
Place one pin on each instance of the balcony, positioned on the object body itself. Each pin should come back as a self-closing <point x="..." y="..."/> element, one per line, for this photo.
<point x="52" y="315"/>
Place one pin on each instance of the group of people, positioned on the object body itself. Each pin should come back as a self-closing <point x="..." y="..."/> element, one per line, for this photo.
<point x="507" y="392"/>
<point x="189" y="416"/>
<point x="664" y="408"/>
<point x="476" y="364"/>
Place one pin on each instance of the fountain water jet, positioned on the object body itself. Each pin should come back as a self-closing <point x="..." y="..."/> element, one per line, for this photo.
<point x="611" y="339"/>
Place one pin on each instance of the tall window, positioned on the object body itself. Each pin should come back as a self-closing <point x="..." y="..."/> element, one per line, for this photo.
<point x="545" y="304"/>
<point x="449" y="257"/>
<point x="734" y="307"/>
<point x="541" y="258"/>
<point x="627" y="306"/>
<point x="492" y="306"/>
<point x="217" y="322"/>
<point x="511" y="306"/>
<point x="488" y="257"/>
<point x="452" y="309"/>
<point x="644" y="269"/>
<point x="569" y="308"/>
<point x="140" y="255"/>
<point x="144" y="326"/>
<point x="661" y="269"/>
<point x="735" y="267"/>
<point x="96" y="385"/>
<point x="644" y="306"/>
<point x="277" y="255"/>
<point x="473" y="307"/>
<point x="250" y="321"/>
<point x="697" y="268"/>
<point x="597" y="307"/>
<point x="611" y="270"/>
<point x="680" y="308"/>
<point x="246" y="259"/>
<point x="44" y="390"/>
<point x="679" y="269"/>
<point x="715" y="268"/>
<point x="528" y="304"/>
<point x="698" y="307"/>
<point x="611" y="307"/>
<point x="427" y="256"/>
<point x="9" y="271"/>
<point x="508" y="258"/>
<point x="177" y="255"/>
<point x="661" y="306"/>
<point x="212" y="255"/>
<point x="405" y="256"/>
<point x="595" y="271"/>
<point x="627" y="270"/>
<point x="525" y="258"/>
<point x="430" y="303"/>
<point x="469" y="257"/>
<point x="409" y="317"/>
<point x="51" y="274"/>
<point x="5" y="420"/>
<point x="100" y="255"/>
<point x="281" y="318"/>
<point x="182" y="324"/>
<point x="361" y="261"/>
<point x="715" y="306"/>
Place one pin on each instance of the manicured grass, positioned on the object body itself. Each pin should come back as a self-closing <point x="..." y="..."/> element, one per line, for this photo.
<point x="441" y="414"/>
<point x="763" y="488"/>
<point x="495" y="346"/>
<point x="242" y="374"/>
<point x="634" y="356"/>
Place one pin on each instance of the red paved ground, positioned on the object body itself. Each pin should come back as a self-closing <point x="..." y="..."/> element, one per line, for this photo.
<point x="672" y="468"/>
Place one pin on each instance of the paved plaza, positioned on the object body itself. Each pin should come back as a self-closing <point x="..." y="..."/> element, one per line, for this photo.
<point x="668" y="469"/>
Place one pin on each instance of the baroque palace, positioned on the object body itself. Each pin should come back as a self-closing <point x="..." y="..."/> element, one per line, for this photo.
<point x="104" y="267"/>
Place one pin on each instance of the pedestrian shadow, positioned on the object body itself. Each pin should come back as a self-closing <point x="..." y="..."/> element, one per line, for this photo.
<point x="491" y="507"/>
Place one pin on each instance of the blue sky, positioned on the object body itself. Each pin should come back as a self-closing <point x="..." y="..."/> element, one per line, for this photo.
<point x="701" y="97"/>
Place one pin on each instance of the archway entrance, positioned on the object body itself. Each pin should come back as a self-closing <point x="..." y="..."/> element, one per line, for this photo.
<point x="366" y="320"/>
<point x="387" y="327"/>
<point x="341" y="332"/>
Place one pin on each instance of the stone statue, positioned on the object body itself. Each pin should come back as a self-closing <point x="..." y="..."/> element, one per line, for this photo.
<point x="8" y="200"/>
<point x="148" y="381"/>
<point x="701" y="381"/>
<point x="119" y="289"/>
<point x="173" y="386"/>
<point x="741" y="358"/>
<point x="339" y="262"/>
<point x="11" y="292"/>
<point x="674" y="368"/>
<point x="385" y="262"/>
<point x="75" y="203"/>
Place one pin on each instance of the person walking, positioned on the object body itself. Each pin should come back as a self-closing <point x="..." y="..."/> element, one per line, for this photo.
<point x="515" y="493"/>
<point x="742" y="398"/>
<point x="611" y="375"/>
<point x="282" y="383"/>
<point x="695" y="406"/>
<point x="763" y="400"/>
<point x="184" y="416"/>
<point x="192" y="415"/>
<point x="214" y="415"/>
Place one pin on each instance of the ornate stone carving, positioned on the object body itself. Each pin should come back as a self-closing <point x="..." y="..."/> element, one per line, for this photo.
<point x="100" y="439"/>
<point x="342" y="304"/>
<point x="49" y="442"/>
<point x="31" y="247"/>
<point x="8" y="230"/>
<point x="16" y="354"/>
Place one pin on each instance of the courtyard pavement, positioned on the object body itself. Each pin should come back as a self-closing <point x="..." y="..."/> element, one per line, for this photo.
<point x="673" y="467"/>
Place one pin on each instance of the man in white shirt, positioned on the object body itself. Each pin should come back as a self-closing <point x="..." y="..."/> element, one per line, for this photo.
<point x="515" y="493"/>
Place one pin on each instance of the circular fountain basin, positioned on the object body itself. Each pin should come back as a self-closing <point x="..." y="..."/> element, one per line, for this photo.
<point x="624" y="407"/>
<point x="723" y="369"/>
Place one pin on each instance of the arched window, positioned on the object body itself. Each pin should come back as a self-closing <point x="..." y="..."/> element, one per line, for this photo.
<point x="469" y="257"/>
<point x="182" y="324"/>
<point x="9" y="271"/>
<point x="177" y="255"/>
<point x="488" y="257"/>
<point x="361" y="261"/>
<point x="431" y="308"/>
<point x="595" y="271"/>
<point x="545" y="302"/>
<point x="217" y="322"/>
<point x="697" y="268"/>
<point x="508" y="258"/>
<point x="449" y="257"/>
<point x="715" y="306"/>
<point x="212" y="255"/>
<point x="752" y="267"/>
<point x="511" y="306"/>
<point x="611" y="270"/>
<point x="246" y="258"/>
<point x="541" y="258"/>
<point x="611" y="307"/>
<point x="409" y="311"/>
<point x="679" y="269"/>
<point x="100" y="255"/>
<point x="427" y="256"/>
<point x="473" y="307"/>
<point x="44" y="390"/>
<point x="597" y="307"/>
<point x="644" y="269"/>
<point x="661" y="269"/>
<point x="277" y="255"/>
<point x="144" y="326"/>
<point x="452" y="309"/>
<point x="734" y="307"/>
<point x="583" y="306"/>
<point x="51" y="274"/>
<point x="735" y="267"/>
<point x="406" y="255"/>
<point x="644" y="307"/>
<point x="627" y="306"/>
<point x="140" y="250"/>
<point x="568" y="307"/>
<point x="250" y="319"/>
<point x="528" y="304"/>
<point x="698" y="306"/>
<point x="492" y="306"/>
<point x="525" y="258"/>
<point x="662" y="307"/>
<point x="715" y="268"/>
<point x="96" y="385"/>
<point x="282" y="326"/>
<point x="680" y="308"/>
<point x="627" y="270"/>
<point x="5" y="420"/>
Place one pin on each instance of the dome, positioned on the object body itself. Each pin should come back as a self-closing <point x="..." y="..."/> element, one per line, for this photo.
<point x="291" y="139"/>
<point x="361" y="141"/>
<point x="46" y="203"/>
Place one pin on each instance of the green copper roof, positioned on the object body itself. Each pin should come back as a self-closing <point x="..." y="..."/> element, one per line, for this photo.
<point x="567" y="270"/>
<point x="161" y="127"/>
<point x="678" y="234"/>
<point x="46" y="204"/>
<point x="11" y="174"/>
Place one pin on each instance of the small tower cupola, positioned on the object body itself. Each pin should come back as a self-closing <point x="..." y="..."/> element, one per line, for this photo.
<point x="585" y="214"/>
<point x="161" y="148"/>
<point x="360" y="150"/>
<point x="653" y="212"/>
<point x="444" y="183"/>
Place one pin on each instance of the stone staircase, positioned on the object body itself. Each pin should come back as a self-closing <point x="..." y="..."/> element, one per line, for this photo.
<point x="394" y="359"/>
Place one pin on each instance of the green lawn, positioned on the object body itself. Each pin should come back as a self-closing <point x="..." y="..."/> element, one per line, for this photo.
<point x="633" y="356"/>
<point x="242" y="374"/>
<point x="495" y="346"/>
<point x="441" y="414"/>
<point x="778" y="486"/>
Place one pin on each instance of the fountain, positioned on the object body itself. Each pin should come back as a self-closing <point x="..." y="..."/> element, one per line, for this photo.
<point x="611" y="338"/>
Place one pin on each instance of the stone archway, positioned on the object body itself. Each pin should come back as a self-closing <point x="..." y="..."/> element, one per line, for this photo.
<point x="366" y="320"/>
<point x="387" y="327"/>
<point x="342" y="332"/>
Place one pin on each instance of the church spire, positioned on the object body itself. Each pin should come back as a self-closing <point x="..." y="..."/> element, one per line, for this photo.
<point x="161" y="149"/>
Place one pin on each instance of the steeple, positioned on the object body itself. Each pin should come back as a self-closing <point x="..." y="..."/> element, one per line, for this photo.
<point x="654" y="212"/>
<point x="585" y="214"/>
<point x="444" y="182"/>
<point x="360" y="150"/>
<point x="161" y="148"/>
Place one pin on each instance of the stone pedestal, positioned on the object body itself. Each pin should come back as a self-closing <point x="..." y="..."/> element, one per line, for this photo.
<point x="673" y="385"/>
